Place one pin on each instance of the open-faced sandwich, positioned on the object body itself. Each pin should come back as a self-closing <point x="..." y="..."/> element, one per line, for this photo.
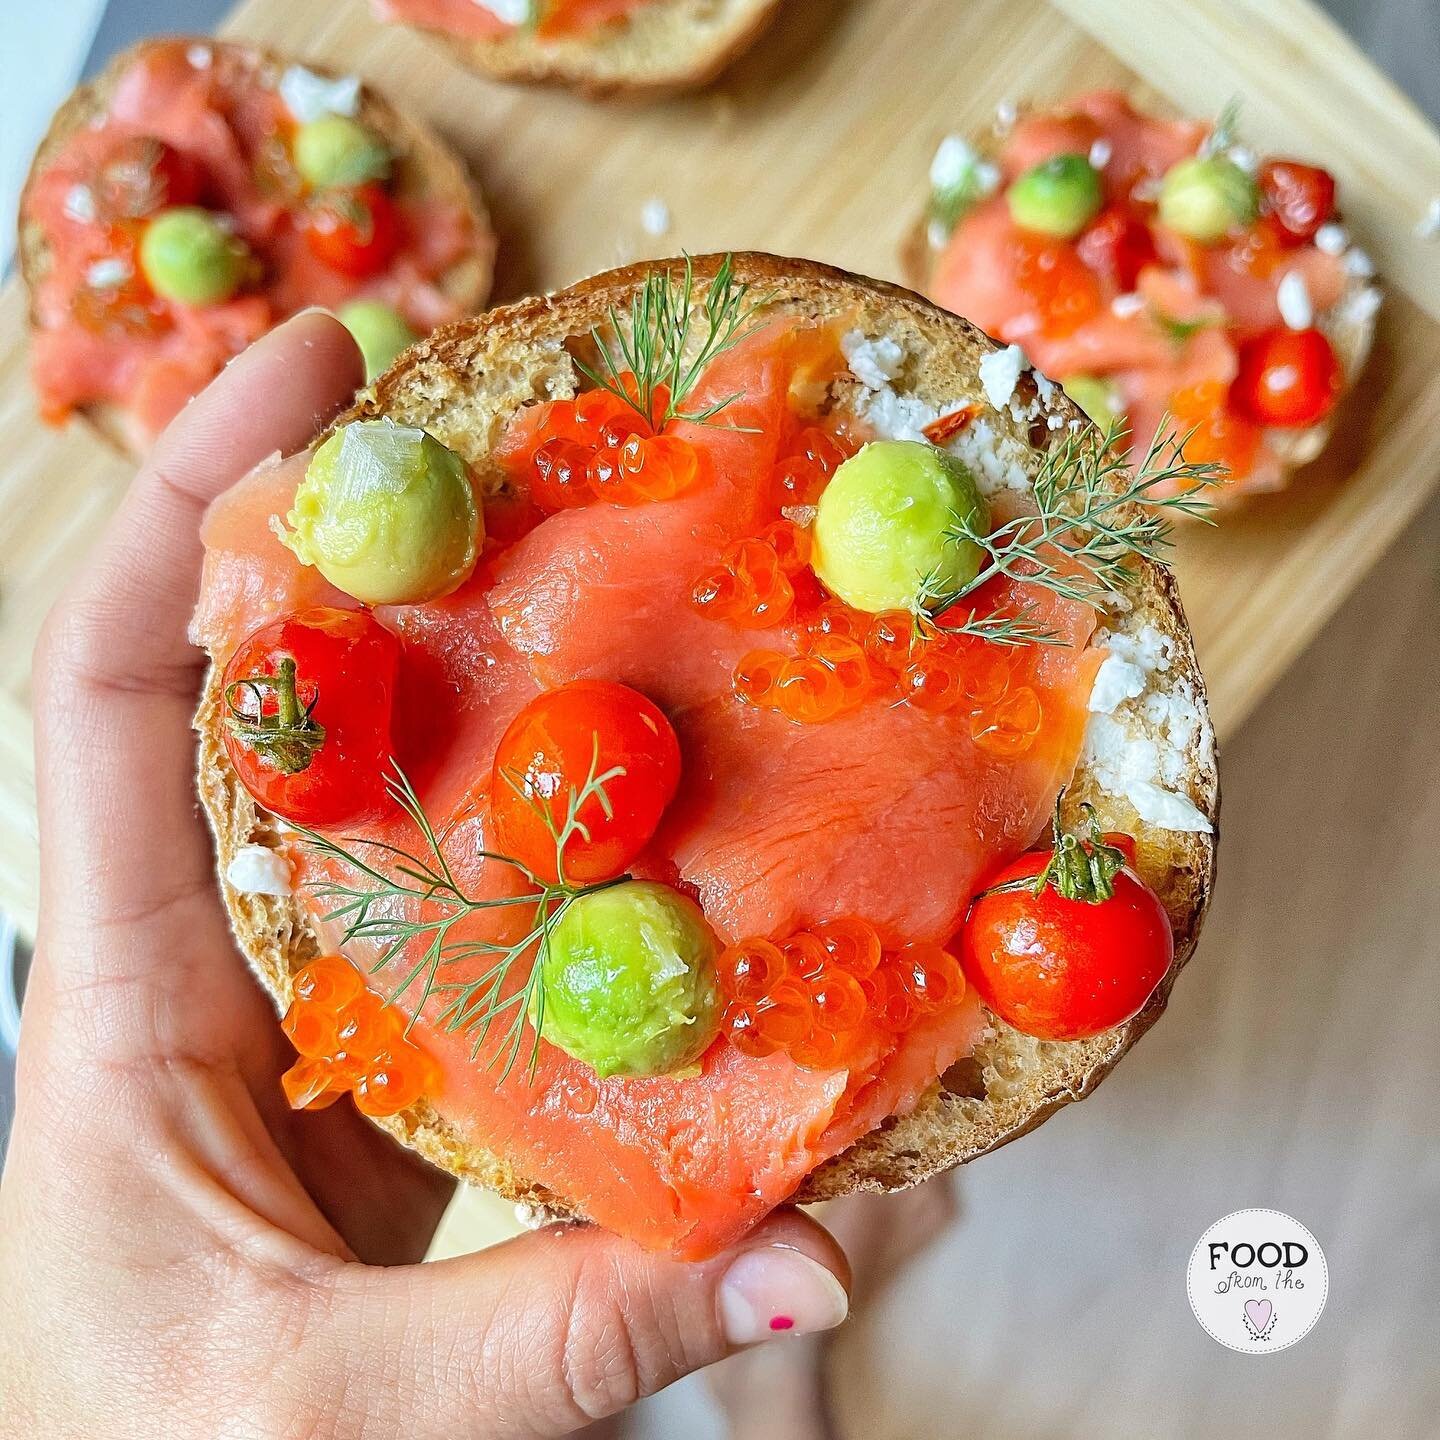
<point x="1157" y="268"/>
<point x="599" y="46"/>
<point x="197" y="193"/>
<point x="615" y="721"/>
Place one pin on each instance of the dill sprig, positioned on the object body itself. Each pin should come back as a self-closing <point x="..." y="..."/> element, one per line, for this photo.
<point x="1226" y="129"/>
<point x="657" y="347"/>
<point x="424" y="884"/>
<point x="1094" y="517"/>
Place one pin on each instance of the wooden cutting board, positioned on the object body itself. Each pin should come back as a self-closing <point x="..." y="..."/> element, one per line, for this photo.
<point x="817" y="143"/>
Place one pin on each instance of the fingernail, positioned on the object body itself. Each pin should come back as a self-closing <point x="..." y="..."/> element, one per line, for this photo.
<point x="779" y="1291"/>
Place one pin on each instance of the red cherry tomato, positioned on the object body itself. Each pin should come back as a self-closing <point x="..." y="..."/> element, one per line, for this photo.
<point x="1286" y="377"/>
<point x="1064" y="969"/>
<point x="563" y="739"/>
<point x="142" y="175"/>
<point x="356" y="232"/>
<point x="1301" y="198"/>
<point x="308" y="703"/>
<point x="1117" y="247"/>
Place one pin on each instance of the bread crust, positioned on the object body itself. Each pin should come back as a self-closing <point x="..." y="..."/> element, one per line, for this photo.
<point x="670" y="46"/>
<point x="1346" y="324"/>
<point x="424" y="165"/>
<point x="461" y="384"/>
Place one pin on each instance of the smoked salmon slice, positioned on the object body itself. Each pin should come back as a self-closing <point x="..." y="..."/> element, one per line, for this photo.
<point x="775" y="825"/>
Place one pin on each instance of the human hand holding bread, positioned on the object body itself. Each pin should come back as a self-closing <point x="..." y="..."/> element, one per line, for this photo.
<point x="172" y="1252"/>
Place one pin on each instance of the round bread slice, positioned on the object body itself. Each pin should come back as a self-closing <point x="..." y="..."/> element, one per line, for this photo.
<point x="463" y="384"/>
<point x="665" y="46"/>
<point x="424" y="166"/>
<point x="1349" y="324"/>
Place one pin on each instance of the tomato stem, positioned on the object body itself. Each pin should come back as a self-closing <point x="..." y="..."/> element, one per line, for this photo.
<point x="289" y="737"/>
<point x="1082" y="865"/>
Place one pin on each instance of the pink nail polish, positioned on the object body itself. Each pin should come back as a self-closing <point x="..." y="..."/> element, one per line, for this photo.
<point x="779" y="1291"/>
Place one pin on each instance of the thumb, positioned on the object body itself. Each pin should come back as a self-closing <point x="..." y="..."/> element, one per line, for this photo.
<point x="546" y="1333"/>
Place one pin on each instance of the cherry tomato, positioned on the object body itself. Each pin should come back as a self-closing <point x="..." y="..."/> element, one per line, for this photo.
<point x="142" y="175"/>
<point x="1064" y="969"/>
<point x="308" y="703"/>
<point x="1301" y="198"/>
<point x="556" y="749"/>
<point x="1286" y="377"/>
<point x="356" y="232"/>
<point x="1117" y="247"/>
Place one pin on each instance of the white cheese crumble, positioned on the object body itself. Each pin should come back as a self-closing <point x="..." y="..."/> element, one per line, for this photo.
<point x="1358" y="263"/>
<point x="872" y="362"/>
<point x="996" y="461"/>
<point x="956" y="164"/>
<point x="1244" y="157"/>
<point x="655" y="216"/>
<point x="1360" y="306"/>
<point x="1127" y="305"/>
<point x="259" y="870"/>
<point x="1148" y="769"/>
<point x="1428" y="225"/>
<point x="309" y="96"/>
<point x="1100" y="153"/>
<point x="108" y="273"/>
<point x="1000" y="373"/>
<point x="1332" y="238"/>
<point x="1292" y="297"/>
<point x="80" y="203"/>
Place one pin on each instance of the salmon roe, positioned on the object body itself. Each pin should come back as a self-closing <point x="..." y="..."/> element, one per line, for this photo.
<point x="1216" y="433"/>
<point x="846" y="656"/>
<point x="830" y="994"/>
<point x="597" y="446"/>
<point x="754" y="583"/>
<point x="1059" y="285"/>
<point x="808" y="463"/>
<point x="350" y="1040"/>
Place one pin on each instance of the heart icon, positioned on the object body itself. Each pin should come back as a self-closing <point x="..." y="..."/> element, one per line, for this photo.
<point x="1258" y="1313"/>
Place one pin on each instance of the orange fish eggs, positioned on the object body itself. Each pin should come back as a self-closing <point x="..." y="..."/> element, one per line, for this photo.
<point x="830" y="993"/>
<point x="598" y="446"/>
<point x="349" y="1039"/>
<point x="802" y="473"/>
<point x="753" y="585"/>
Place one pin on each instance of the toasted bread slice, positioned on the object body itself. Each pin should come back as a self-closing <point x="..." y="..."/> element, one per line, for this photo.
<point x="665" y="46"/>
<point x="424" y="166"/>
<point x="1349" y="325"/>
<point x="463" y="384"/>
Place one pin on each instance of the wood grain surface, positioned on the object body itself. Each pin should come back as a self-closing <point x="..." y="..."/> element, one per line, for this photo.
<point x="817" y="143"/>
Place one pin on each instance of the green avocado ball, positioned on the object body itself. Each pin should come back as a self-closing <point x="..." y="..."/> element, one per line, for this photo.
<point x="1060" y="196"/>
<point x="191" y="256"/>
<point x="334" y="151"/>
<point x="628" y="980"/>
<point x="380" y="331"/>
<point x="884" y="522"/>
<point x="1206" y="197"/>
<point x="387" y="514"/>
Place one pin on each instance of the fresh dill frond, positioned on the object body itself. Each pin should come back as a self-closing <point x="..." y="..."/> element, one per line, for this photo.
<point x="1226" y="129"/>
<point x="657" y="347"/>
<point x="422" y="884"/>
<point x="1005" y="628"/>
<point x="1094" y="517"/>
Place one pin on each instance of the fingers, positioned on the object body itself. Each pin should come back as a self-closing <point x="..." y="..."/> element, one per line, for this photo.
<point x="542" y="1335"/>
<point x="116" y="678"/>
<point x="130" y="922"/>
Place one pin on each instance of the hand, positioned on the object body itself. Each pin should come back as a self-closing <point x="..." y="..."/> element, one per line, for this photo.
<point x="180" y="1254"/>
